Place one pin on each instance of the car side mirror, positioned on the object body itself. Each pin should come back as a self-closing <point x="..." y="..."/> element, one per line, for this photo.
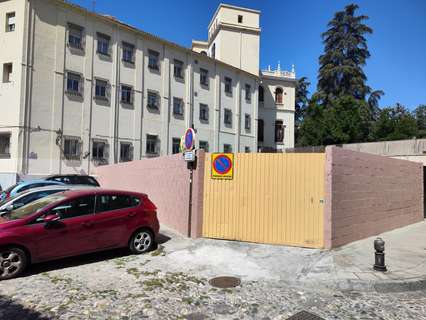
<point x="10" y="207"/>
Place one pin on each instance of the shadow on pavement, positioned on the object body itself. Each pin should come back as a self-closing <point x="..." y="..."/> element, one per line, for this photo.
<point x="84" y="259"/>
<point x="12" y="310"/>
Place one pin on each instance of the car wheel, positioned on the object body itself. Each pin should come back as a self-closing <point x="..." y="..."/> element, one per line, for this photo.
<point x="12" y="262"/>
<point x="142" y="241"/>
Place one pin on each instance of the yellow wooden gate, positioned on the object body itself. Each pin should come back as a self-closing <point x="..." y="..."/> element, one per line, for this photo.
<point x="273" y="198"/>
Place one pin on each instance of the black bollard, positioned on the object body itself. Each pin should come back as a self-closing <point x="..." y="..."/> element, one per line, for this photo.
<point x="379" y="255"/>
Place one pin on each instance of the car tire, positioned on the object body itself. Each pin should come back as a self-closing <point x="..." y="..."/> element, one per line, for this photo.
<point x="142" y="241"/>
<point x="13" y="262"/>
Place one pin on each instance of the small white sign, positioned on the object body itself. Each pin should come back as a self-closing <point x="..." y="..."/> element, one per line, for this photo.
<point x="189" y="156"/>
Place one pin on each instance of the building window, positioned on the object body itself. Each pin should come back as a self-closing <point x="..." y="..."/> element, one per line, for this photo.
<point x="153" y="100"/>
<point x="204" y="112"/>
<point x="126" y="152"/>
<point x="151" y="144"/>
<point x="4" y="145"/>
<point x="228" y="117"/>
<point x="178" y="69"/>
<point x="75" y="36"/>
<point x="101" y="89"/>
<point x="72" y="148"/>
<point x="227" y="148"/>
<point x="99" y="150"/>
<point x="74" y="83"/>
<point x="103" y="44"/>
<point x="248" y="92"/>
<point x="261" y="94"/>
<point x="204" y="145"/>
<point x="204" y="77"/>
<point x="128" y="52"/>
<point x="278" y="95"/>
<point x="126" y="94"/>
<point x="204" y="53"/>
<point x="7" y="72"/>
<point x="247" y="122"/>
<point x="10" y="21"/>
<point x="228" y="85"/>
<point x="240" y="19"/>
<point x="214" y="51"/>
<point x="175" y="145"/>
<point x="177" y="106"/>
<point x="247" y="149"/>
<point x="153" y="60"/>
<point x="260" y="125"/>
<point x="279" y="131"/>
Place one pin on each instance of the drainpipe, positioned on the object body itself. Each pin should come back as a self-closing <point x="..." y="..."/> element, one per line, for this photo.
<point x="92" y="83"/>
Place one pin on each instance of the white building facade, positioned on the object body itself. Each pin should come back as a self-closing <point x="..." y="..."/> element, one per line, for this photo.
<point x="79" y="89"/>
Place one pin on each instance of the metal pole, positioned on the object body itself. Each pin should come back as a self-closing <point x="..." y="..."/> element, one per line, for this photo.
<point x="191" y="171"/>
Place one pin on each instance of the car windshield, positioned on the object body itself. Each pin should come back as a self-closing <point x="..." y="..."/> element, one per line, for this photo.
<point x="33" y="207"/>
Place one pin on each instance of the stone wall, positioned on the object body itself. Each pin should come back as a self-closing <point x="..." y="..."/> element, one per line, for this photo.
<point x="368" y="194"/>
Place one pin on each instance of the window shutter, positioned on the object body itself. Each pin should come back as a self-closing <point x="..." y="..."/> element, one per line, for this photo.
<point x="106" y="152"/>
<point x="79" y="148"/>
<point x="132" y="96"/>
<point x="157" y="146"/>
<point x="108" y="91"/>
<point x="131" y="148"/>
<point x="83" y="39"/>
<point x="110" y="48"/>
<point x="133" y="54"/>
<point x="81" y="86"/>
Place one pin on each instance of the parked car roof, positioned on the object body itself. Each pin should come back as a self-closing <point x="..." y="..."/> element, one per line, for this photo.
<point x="95" y="191"/>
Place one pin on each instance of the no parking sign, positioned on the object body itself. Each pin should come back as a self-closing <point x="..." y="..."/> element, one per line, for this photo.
<point x="223" y="166"/>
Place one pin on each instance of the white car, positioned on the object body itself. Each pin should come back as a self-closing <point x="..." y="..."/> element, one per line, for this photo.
<point x="31" y="195"/>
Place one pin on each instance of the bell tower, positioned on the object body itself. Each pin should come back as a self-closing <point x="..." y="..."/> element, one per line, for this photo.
<point x="234" y="37"/>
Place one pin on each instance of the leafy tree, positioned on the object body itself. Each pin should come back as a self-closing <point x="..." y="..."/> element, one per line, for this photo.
<point x="345" y="53"/>
<point x="395" y="123"/>
<point x="301" y="103"/>
<point x="344" y="107"/>
<point x="420" y="114"/>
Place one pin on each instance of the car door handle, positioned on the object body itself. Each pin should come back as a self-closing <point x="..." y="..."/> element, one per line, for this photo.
<point x="87" y="224"/>
<point x="132" y="214"/>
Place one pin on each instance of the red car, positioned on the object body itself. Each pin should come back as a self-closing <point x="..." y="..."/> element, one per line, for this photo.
<point x="75" y="222"/>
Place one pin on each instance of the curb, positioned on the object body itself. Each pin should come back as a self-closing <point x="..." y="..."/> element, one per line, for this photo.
<point x="384" y="286"/>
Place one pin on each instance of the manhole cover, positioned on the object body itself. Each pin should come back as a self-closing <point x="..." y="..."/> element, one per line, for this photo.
<point x="304" y="315"/>
<point x="225" y="282"/>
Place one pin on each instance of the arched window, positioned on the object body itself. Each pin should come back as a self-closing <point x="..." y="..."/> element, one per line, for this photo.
<point x="279" y="131"/>
<point x="214" y="51"/>
<point x="261" y="94"/>
<point x="260" y="130"/>
<point x="279" y="95"/>
<point x="203" y="52"/>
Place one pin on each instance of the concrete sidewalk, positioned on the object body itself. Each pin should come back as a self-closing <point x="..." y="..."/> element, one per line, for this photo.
<point x="345" y="268"/>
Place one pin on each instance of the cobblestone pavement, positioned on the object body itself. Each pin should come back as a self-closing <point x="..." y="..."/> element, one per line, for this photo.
<point x="115" y="285"/>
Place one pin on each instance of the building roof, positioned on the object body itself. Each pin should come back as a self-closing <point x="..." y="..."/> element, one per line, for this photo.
<point x="111" y="19"/>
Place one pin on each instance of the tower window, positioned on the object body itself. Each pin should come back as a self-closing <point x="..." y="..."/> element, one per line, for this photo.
<point x="240" y="19"/>
<point x="278" y="95"/>
<point x="7" y="72"/>
<point x="279" y="131"/>
<point x="10" y="22"/>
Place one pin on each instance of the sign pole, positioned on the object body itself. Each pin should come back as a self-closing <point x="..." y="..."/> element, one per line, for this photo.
<point x="191" y="173"/>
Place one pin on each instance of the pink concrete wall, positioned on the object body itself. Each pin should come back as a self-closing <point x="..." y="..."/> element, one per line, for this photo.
<point x="368" y="194"/>
<point x="166" y="181"/>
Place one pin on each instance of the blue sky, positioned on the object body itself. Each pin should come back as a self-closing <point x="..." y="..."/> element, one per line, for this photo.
<point x="291" y="32"/>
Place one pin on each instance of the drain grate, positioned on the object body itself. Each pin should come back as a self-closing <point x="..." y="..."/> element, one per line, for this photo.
<point x="304" y="315"/>
<point x="225" y="282"/>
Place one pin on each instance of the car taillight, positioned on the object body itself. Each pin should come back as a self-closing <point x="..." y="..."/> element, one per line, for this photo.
<point x="148" y="205"/>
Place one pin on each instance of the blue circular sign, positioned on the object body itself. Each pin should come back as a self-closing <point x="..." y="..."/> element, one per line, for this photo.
<point x="222" y="164"/>
<point x="189" y="139"/>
